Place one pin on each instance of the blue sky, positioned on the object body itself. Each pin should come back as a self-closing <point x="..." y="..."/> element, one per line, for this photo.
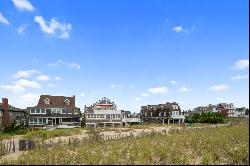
<point x="133" y="52"/>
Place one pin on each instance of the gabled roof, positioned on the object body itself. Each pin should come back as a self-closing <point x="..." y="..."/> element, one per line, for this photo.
<point x="56" y="101"/>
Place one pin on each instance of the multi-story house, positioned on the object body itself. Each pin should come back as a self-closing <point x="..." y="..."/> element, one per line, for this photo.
<point x="129" y="118"/>
<point x="9" y="114"/>
<point x="228" y="110"/>
<point x="54" y="111"/>
<point x="162" y="113"/>
<point x="102" y="113"/>
<point x="241" y="112"/>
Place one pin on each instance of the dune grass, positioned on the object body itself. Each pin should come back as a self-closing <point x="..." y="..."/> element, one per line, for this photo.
<point x="226" y="145"/>
<point x="43" y="134"/>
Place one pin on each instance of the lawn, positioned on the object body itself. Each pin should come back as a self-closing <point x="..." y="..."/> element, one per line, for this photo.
<point x="226" y="145"/>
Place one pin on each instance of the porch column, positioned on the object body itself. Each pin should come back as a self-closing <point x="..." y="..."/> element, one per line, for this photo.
<point x="179" y="120"/>
<point x="113" y="124"/>
<point x="104" y="125"/>
<point x="163" y="120"/>
<point x="168" y="121"/>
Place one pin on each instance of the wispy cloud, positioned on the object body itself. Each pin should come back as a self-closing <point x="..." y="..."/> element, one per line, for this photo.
<point x="58" y="78"/>
<point x="28" y="99"/>
<point x="27" y="83"/>
<point x="51" y="85"/>
<point x="181" y="29"/>
<point x="69" y="64"/>
<point x="144" y="94"/>
<point x="21" y="85"/>
<point x="82" y="94"/>
<point x="220" y="87"/>
<point x="3" y="19"/>
<point x="112" y="86"/>
<point x="14" y="88"/>
<point x="174" y="82"/>
<point x="20" y="30"/>
<point x="184" y="89"/>
<point x="23" y="5"/>
<point x="43" y="78"/>
<point x="54" y="27"/>
<point x="158" y="90"/>
<point x="178" y="28"/>
<point x="220" y="99"/>
<point x="137" y="99"/>
<point x="75" y="65"/>
<point x="25" y="73"/>
<point x="241" y="64"/>
<point x="239" y="77"/>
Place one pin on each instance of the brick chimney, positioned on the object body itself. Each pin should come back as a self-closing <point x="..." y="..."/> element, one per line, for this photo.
<point x="6" y="115"/>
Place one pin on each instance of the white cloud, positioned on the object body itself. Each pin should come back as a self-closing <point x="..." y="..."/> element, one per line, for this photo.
<point x="75" y="65"/>
<point x="25" y="73"/>
<point x="82" y="94"/>
<point x="220" y="87"/>
<point x="20" y="30"/>
<point x="43" y="78"/>
<point x="51" y="85"/>
<point x="59" y="62"/>
<point x="177" y="28"/>
<point x="157" y="90"/>
<point x="27" y="83"/>
<point x="14" y="88"/>
<point x="239" y="77"/>
<point x="241" y="64"/>
<point x="3" y="19"/>
<point x="69" y="64"/>
<point x="174" y="82"/>
<point x="20" y="85"/>
<point x="137" y="99"/>
<point x="54" y="28"/>
<point x="220" y="99"/>
<point x="184" y="89"/>
<point x="144" y="94"/>
<point x="29" y="99"/>
<point x="23" y="5"/>
<point x="112" y="86"/>
<point x="58" y="78"/>
<point x="181" y="29"/>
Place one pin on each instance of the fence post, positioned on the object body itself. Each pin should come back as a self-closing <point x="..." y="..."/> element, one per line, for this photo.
<point x="10" y="147"/>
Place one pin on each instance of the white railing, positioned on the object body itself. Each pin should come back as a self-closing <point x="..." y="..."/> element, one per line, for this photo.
<point x="178" y="116"/>
<point x="126" y="120"/>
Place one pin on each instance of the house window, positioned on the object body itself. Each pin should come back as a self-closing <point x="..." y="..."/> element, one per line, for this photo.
<point x="40" y="121"/>
<point x="31" y="121"/>
<point x="42" y="111"/>
<point x="37" y="111"/>
<point x="63" y="111"/>
<point x="32" y="111"/>
<point x="67" y="102"/>
<point x="44" y="120"/>
<point x="53" y="110"/>
<point x="46" y="101"/>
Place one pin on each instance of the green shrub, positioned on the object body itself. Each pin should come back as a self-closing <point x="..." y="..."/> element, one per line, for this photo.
<point x="14" y="128"/>
<point x="209" y="117"/>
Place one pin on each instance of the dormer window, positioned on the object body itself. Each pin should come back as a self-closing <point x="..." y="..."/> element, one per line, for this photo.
<point x="67" y="102"/>
<point x="46" y="101"/>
